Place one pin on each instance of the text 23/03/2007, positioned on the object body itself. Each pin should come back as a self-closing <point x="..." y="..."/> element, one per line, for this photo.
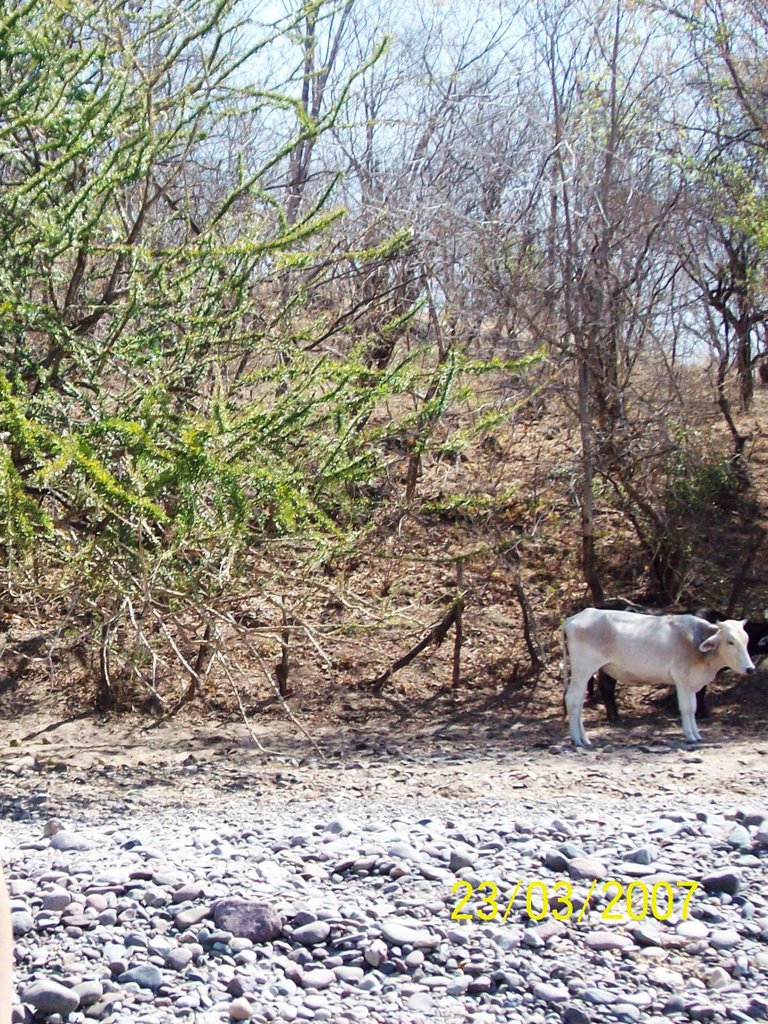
<point x="639" y="899"/>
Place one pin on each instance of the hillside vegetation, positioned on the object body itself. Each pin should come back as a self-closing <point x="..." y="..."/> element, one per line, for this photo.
<point x="344" y="353"/>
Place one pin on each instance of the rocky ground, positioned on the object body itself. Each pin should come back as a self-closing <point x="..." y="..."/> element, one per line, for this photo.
<point x="285" y="886"/>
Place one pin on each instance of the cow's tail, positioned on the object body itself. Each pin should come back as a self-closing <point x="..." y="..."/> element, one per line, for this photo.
<point x="566" y="668"/>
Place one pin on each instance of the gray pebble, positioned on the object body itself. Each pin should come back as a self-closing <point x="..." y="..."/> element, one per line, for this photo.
<point x="89" y="992"/>
<point x="550" y="993"/>
<point x="189" y="918"/>
<point x="250" y="919"/>
<point x="312" y="934"/>
<point x="642" y="855"/>
<point x="740" y="838"/>
<point x="240" y="1009"/>
<point x="22" y="922"/>
<point x="724" y="938"/>
<point x="603" y="940"/>
<point x="461" y="858"/>
<point x="729" y="882"/>
<point x="320" y="978"/>
<point x="586" y="868"/>
<point x="145" y="975"/>
<point x="179" y="958"/>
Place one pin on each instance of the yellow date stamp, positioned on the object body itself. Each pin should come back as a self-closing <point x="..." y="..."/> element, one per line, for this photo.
<point x="637" y="900"/>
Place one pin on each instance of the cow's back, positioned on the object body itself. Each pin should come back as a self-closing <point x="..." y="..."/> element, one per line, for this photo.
<point x="603" y="628"/>
<point x="635" y="648"/>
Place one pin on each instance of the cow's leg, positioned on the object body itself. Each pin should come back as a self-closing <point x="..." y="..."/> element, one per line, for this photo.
<point x="686" y="699"/>
<point x="574" y="702"/>
<point x="607" y="686"/>
<point x="577" y="676"/>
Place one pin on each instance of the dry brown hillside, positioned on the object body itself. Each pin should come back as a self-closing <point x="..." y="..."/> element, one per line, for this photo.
<point x="364" y="605"/>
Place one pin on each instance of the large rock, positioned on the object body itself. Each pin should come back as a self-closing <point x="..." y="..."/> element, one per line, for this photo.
<point x="248" y="919"/>
<point x="574" y="1015"/>
<point x="48" y="996"/>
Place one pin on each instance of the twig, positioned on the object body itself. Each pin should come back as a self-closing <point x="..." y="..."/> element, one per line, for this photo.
<point x="204" y="649"/>
<point x="316" y="645"/>
<point x="267" y="675"/>
<point x="529" y="623"/>
<point x="107" y="695"/>
<point x="218" y="656"/>
<point x="283" y="665"/>
<point x="104" y="671"/>
<point x="284" y="703"/>
<point x="459" y="624"/>
<point x="152" y="687"/>
<point x="195" y="677"/>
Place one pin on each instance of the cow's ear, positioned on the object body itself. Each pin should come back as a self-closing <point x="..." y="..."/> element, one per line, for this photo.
<point x="710" y="644"/>
<point x="743" y="622"/>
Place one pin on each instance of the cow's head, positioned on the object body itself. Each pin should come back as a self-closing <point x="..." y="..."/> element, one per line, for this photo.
<point x="730" y="641"/>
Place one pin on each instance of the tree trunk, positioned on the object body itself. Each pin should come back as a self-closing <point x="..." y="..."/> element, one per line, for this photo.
<point x="588" y="551"/>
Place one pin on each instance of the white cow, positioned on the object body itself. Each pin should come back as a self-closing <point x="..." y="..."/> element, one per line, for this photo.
<point x="681" y="650"/>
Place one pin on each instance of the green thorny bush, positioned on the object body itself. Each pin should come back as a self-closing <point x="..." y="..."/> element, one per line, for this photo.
<point x="138" y="470"/>
<point x="164" y="416"/>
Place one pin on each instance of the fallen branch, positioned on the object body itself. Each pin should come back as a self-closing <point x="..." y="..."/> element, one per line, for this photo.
<point x="436" y="635"/>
